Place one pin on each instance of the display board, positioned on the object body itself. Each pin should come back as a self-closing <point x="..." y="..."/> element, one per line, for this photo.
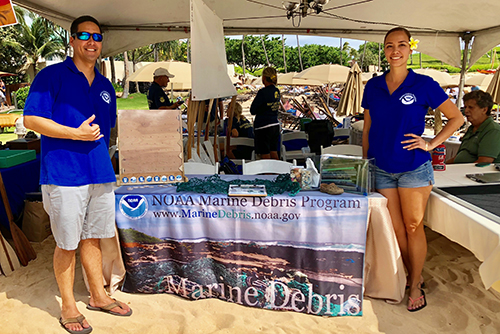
<point x="150" y="147"/>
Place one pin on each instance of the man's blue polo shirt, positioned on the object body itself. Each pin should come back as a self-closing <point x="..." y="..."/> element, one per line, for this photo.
<point x="394" y="115"/>
<point x="62" y="93"/>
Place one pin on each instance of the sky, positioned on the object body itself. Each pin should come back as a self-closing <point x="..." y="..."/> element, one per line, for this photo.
<point x="291" y="40"/>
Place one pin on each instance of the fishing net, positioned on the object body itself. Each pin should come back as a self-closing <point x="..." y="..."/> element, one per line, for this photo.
<point x="213" y="184"/>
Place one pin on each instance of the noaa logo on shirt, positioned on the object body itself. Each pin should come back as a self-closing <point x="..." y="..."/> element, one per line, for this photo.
<point x="408" y="99"/>
<point x="105" y="96"/>
<point x="133" y="206"/>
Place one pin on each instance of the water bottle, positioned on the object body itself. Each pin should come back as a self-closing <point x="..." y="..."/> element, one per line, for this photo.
<point x="438" y="158"/>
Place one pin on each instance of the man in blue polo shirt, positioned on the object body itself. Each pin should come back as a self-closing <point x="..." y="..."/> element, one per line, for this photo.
<point x="73" y="107"/>
<point x="157" y="99"/>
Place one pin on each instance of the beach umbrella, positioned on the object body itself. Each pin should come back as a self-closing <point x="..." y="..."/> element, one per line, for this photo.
<point x="290" y="80"/>
<point x="479" y="79"/>
<point x="350" y="101"/>
<point x="442" y="78"/>
<point x="181" y="70"/>
<point x="328" y="73"/>
<point x="368" y="75"/>
<point x="494" y="90"/>
<point x="494" y="86"/>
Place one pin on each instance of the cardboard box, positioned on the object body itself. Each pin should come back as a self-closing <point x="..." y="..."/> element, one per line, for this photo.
<point x="36" y="222"/>
<point x="25" y="144"/>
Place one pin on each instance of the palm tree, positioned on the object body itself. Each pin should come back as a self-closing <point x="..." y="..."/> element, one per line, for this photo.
<point x="35" y="41"/>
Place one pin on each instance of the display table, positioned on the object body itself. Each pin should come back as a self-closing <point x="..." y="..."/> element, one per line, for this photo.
<point x="200" y="245"/>
<point x="455" y="220"/>
<point x="19" y="180"/>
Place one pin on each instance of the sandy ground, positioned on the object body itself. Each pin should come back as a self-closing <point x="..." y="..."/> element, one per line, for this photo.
<point x="457" y="303"/>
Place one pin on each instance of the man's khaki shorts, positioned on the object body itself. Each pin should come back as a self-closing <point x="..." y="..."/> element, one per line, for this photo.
<point x="78" y="213"/>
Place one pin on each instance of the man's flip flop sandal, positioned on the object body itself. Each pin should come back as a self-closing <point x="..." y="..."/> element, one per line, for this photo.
<point x="108" y="308"/>
<point x="77" y="320"/>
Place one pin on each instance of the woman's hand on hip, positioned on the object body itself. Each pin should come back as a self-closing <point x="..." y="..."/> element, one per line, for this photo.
<point x="415" y="142"/>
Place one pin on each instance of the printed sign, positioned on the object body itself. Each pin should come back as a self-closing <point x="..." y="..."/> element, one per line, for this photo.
<point x="302" y="254"/>
<point x="7" y="14"/>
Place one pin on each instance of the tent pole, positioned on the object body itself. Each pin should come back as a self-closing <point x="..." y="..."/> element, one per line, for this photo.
<point x="284" y="55"/>
<point x="341" y="48"/>
<point x="363" y="59"/>
<point x="265" y="51"/>
<point x="243" y="54"/>
<point x="379" y="61"/>
<point x="300" y="56"/>
<point x="465" y="60"/>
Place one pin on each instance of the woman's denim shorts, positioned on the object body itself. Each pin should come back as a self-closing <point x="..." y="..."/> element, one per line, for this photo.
<point x="423" y="176"/>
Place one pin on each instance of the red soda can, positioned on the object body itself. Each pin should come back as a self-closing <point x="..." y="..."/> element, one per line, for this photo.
<point x="439" y="157"/>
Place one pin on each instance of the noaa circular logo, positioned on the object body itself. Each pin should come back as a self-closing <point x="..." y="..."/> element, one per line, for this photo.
<point x="125" y="180"/>
<point x="141" y="179"/>
<point x="408" y="99"/>
<point x="157" y="178"/>
<point x="171" y="178"/>
<point x="164" y="178"/>
<point x="178" y="177"/>
<point x="105" y="96"/>
<point x="149" y="179"/>
<point x="133" y="179"/>
<point x="133" y="206"/>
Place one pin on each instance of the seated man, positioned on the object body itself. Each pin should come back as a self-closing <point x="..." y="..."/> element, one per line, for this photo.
<point x="157" y="99"/>
<point x="481" y="142"/>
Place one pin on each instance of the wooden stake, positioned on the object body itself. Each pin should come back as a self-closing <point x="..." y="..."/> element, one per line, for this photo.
<point x="230" y="111"/>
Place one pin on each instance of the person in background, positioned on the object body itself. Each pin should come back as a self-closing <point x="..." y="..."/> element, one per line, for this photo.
<point x="481" y="142"/>
<point x="73" y="107"/>
<point x="3" y="92"/>
<point x="157" y="99"/>
<point x="241" y="127"/>
<point x="265" y="107"/>
<point x="20" y="130"/>
<point x="395" y="104"/>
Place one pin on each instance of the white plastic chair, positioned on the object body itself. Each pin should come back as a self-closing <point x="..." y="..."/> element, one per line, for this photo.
<point x="295" y="154"/>
<point x="347" y="149"/>
<point x="200" y="168"/>
<point x="267" y="166"/>
<point x="242" y="141"/>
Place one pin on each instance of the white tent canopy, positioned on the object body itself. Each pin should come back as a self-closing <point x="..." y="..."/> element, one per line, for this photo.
<point x="438" y="25"/>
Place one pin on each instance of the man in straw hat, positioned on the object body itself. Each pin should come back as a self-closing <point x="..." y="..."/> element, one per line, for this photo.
<point x="74" y="108"/>
<point x="157" y="99"/>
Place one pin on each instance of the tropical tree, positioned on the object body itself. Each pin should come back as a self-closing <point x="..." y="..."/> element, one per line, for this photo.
<point x="35" y="40"/>
<point x="11" y="58"/>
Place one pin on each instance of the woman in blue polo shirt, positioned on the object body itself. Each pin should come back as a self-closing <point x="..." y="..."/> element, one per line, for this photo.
<point x="395" y="106"/>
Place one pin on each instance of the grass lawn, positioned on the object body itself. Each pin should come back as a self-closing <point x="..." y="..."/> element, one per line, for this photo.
<point x="7" y="135"/>
<point x="136" y="101"/>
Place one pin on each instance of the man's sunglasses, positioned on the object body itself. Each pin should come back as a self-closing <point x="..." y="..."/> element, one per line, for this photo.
<point x="85" y="36"/>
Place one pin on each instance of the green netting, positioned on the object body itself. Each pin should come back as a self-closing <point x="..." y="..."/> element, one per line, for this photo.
<point x="213" y="184"/>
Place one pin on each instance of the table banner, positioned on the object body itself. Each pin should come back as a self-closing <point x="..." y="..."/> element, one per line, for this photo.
<point x="302" y="253"/>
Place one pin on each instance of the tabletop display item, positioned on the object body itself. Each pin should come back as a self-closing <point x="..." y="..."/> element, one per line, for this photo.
<point x="247" y="190"/>
<point x="493" y="177"/>
<point x="351" y="173"/>
<point x="150" y="147"/>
